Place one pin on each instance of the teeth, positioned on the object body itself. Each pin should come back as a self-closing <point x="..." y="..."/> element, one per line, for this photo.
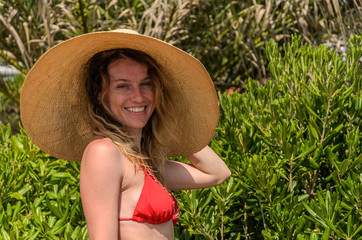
<point x="139" y="109"/>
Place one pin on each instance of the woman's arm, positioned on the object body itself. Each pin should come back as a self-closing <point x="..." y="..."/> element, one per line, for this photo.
<point x="207" y="169"/>
<point x="100" y="181"/>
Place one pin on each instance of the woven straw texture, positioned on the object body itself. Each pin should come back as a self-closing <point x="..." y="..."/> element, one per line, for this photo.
<point x="53" y="98"/>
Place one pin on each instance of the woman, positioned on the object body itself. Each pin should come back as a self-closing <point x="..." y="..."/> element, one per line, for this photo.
<point x="134" y="104"/>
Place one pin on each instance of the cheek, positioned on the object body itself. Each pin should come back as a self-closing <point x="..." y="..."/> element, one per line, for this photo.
<point x="111" y="101"/>
<point x="152" y="99"/>
<point x="153" y="95"/>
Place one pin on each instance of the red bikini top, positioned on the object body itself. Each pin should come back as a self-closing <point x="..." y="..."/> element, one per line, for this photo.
<point x="156" y="204"/>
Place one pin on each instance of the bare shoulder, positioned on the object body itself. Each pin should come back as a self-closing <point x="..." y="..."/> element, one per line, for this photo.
<point x="102" y="154"/>
<point x="102" y="145"/>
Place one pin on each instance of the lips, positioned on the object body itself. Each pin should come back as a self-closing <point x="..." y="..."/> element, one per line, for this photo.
<point x="135" y="109"/>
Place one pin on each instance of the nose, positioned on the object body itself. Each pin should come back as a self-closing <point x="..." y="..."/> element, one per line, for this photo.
<point x="137" y="95"/>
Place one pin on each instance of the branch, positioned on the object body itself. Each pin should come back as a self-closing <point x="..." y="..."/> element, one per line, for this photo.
<point x="262" y="212"/>
<point x="18" y="41"/>
<point x="83" y="18"/>
<point x="325" y="120"/>
<point x="245" y="222"/>
<point x="12" y="62"/>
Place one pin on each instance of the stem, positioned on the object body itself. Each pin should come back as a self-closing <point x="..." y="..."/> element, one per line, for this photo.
<point x="169" y="25"/>
<point x="45" y="16"/>
<point x="291" y="174"/>
<point x="83" y="18"/>
<point x="314" y="176"/>
<point x="18" y="41"/>
<point x="325" y="121"/>
<point x="203" y="231"/>
<point x="245" y="223"/>
<point x="222" y="226"/>
<point x="262" y="212"/>
<point x="12" y="62"/>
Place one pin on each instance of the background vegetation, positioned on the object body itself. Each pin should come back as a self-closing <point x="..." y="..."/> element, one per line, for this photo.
<point x="293" y="142"/>
<point x="229" y="37"/>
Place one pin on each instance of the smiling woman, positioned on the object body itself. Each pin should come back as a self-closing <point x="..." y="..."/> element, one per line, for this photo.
<point x="126" y="91"/>
<point x="129" y="96"/>
<point x="135" y="101"/>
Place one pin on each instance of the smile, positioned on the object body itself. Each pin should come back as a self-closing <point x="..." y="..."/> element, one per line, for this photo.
<point x="136" y="110"/>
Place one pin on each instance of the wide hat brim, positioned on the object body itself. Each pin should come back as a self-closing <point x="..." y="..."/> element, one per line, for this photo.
<point x="53" y="100"/>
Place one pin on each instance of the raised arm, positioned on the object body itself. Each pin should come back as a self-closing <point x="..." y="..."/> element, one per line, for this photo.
<point x="100" y="181"/>
<point x="207" y="169"/>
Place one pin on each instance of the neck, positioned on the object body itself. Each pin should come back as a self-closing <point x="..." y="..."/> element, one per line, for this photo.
<point x="136" y="134"/>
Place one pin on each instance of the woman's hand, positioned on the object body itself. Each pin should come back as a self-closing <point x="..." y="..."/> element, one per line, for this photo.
<point x="207" y="169"/>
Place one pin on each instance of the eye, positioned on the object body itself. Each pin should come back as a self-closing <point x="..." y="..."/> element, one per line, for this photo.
<point x="122" y="86"/>
<point x="146" y="84"/>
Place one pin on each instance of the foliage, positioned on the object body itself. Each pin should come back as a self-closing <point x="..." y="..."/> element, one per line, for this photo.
<point x="238" y="29"/>
<point x="230" y="37"/>
<point x="39" y="195"/>
<point x="293" y="145"/>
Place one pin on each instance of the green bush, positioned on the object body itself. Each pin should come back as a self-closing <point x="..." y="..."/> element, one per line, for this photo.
<point x="39" y="195"/>
<point x="293" y="145"/>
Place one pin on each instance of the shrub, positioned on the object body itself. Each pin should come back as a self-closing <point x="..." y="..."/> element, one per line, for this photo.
<point x="39" y="195"/>
<point x="293" y="145"/>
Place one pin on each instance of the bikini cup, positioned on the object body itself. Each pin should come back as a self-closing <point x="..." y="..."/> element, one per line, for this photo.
<point x="156" y="204"/>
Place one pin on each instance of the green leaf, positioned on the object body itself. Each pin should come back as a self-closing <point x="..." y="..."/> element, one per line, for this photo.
<point x="5" y="234"/>
<point x="357" y="230"/>
<point x="310" y="163"/>
<point x="54" y="209"/>
<point x="303" y="197"/>
<point x="313" y="236"/>
<point x="306" y="152"/>
<point x="331" y="157"/>
<point x="16" y="195"/>
<point x="75" y="233"/>
<point x="25" y="189"/>
<point x="61" y="175"/>
<point x="300" y="237"/>
<point x="15" y="142"/>
<point x="314" y="215"/>
<point x="9" y="209"/>
<point x="344" y="166"/>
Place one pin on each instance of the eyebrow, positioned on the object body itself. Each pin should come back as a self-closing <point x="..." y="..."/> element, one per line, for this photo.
<point x="128" y="80"/>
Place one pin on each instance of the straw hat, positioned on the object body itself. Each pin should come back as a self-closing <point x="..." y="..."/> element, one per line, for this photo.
<point x="53" y="99"/>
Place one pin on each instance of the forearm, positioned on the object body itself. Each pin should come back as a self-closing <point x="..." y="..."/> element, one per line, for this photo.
<point x="208" y="162"/>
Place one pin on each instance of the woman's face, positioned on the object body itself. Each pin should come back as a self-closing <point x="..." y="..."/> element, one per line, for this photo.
<point x="130" y="95"/>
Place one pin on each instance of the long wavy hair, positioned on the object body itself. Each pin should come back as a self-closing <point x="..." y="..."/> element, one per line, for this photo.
<point x="152" y="153"/>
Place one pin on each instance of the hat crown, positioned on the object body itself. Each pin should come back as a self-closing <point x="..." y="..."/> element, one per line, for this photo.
<point x="125" y="30"/>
